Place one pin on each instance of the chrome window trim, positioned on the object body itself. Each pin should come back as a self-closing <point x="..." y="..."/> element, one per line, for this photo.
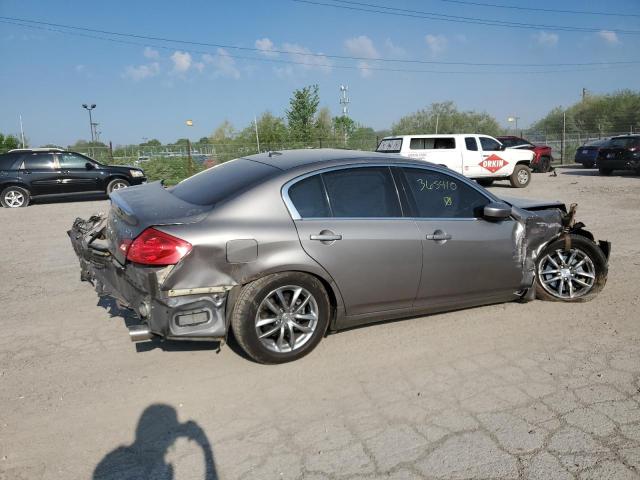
<point x="295" y="215"/>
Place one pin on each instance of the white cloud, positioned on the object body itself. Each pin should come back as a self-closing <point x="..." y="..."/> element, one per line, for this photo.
<point x="394" y="50"/>
<point x="181" y="61"/>
<point x="436" y="43"/>
<point x="223" y="64"/>
<point x="300" y="54"/>
<point x="142" y="71"/>
<point x="546" y="39"/>
<point x="79" y="68"/>
<point x="609" y="37"/>
<point x="266" y="47"/>
<point x="361" y="46"/>
<point x="365" y="69"/>
<point x="151" y="53"/>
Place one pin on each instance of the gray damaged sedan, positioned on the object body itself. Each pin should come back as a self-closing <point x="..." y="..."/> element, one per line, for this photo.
<point x="281" y="248"/>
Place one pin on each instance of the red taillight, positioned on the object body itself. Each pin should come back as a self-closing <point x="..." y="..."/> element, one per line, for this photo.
<point x="153" y="247"/>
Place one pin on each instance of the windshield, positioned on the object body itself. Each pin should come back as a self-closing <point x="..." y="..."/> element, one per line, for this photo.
<point x="218" y="183"/>
<point x="390" y="145"/>
<point x="623" y="142"/>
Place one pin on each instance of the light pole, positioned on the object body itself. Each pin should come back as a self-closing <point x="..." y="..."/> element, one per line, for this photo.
<point x="189" y="123"/>
<point x="89" y="108"/>
<point x="512" y="120"/>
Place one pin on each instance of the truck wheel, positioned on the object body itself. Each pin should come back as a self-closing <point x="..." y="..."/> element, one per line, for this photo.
<point x="14" y="197"/>
<point x="605" y="171"/>
<point x="573" y="275"/>
<point x="545" y="165"/>
<point x="485" y="182"/>
<point x="281" y="317"/>
<point x="588" y="164"/>
<point x="520" y="177"/>
<point x="116" y="184"/>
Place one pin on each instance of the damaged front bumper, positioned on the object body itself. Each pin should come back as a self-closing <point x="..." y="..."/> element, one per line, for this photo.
<point x="191" y="314"/>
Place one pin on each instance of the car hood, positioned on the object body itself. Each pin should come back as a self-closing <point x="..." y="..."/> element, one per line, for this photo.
<point x="529" y="204"/>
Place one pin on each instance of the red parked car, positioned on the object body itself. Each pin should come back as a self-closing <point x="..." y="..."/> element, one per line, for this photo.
<point x="541" y="153"/>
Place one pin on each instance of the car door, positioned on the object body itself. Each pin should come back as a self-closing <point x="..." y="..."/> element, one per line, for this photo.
<point x="350" y="221"/>
<point x="466" y="259"/>
<point x="76" y="177"/>
<point x="439" y="150"/>
<point x="472" y="158"/>
<point x="493" y="162"/>
<point x="41" y="173"/>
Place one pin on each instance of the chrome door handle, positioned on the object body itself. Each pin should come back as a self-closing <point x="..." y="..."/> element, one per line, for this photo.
<point x="438" y="236"/>
<point x="325" y="237"/>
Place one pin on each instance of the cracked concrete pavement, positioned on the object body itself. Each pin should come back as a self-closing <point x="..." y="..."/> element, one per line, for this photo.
<point x="513" y="391"/>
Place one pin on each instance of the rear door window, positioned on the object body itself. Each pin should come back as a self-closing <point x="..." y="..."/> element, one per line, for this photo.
<point x="390" y="145"/>
<point x="72" y="160"/>
<point x="471" y="144"/>
<point x="438" y="195"/>
<point x="309" y="198"/>
<point x="363" y="192"/>
<point x="39" y="161"/>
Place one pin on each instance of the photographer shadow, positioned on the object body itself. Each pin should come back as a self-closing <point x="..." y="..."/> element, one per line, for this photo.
<point x="157" y="430"/>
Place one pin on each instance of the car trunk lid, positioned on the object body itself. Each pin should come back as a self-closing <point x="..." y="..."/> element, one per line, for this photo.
<point x="134" y="209"/>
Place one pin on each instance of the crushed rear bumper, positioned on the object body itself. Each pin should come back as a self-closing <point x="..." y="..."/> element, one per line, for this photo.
<point x="191" y="315"/>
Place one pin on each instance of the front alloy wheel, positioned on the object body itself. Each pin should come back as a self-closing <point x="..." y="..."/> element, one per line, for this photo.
<point x="571" y="270"/>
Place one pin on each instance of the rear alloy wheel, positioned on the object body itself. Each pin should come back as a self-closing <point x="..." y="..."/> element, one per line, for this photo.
<point x="605" y="171"/>
<point x="14" y="197"/>
<point x="116" y="184"/>
<point x="281" y="317"/>
<point x="520" y="177"/>
<point x="571" y="275"/>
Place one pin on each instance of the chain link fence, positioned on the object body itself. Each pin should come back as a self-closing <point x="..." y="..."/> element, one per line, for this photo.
<point x="173" y="163"/>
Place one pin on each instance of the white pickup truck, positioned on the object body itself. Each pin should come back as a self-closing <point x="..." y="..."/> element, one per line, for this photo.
<point x="476" y="156"/>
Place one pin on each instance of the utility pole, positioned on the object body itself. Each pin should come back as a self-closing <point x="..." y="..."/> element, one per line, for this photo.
<point x="584" y="94"/>
<point x="255" y="122"/>
<point x="344" y="101"/>
<point x="22" y="132"/>
<point x="564" y="133"/>
<point x="89" y="108"/>
<point x="189" y="123"/>
<point x="437" y="121"/>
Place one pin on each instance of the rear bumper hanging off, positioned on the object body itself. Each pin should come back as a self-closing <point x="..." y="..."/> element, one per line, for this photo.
<point x="194" y="314"/>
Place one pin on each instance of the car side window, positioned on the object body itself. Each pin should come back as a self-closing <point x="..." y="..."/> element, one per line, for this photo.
<point x="471" y="144"/>
<point x="363" y="192"/>
<point x="416" y="144"/>
<point x="489" y="144"/>
<point x="308" y="196"/>
<point x="38" y="161"/>
<point x="71" y="160"/>
<point x="438" y="195"/>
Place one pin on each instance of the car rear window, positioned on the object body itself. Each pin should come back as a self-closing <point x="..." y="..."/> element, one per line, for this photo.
<point x="222" y="181"/>
<point x="7" y="160"/>
<point x="390" y="145"/>
<point x="309" y="198"/>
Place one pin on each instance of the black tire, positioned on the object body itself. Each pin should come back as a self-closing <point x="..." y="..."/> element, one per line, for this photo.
<point x="245" y="316"/>
<point x="485" y="182"/>
<point x="15" y="197"/>
<point x="605" y="171"/>
<point x="520" y="177"/>
<point x="587" y="247"/>
<point x="544" y="165"/>
<point x="588" y="165"/>
<point x="116" y="184"/>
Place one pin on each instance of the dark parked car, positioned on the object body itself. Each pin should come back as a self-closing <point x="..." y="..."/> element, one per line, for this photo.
<point x="282" y="247"/>
<point x="32" y="173"/>
<point x="621" y="153"/>
<point x="587" y="154"/>
<point x="542" y="157"/>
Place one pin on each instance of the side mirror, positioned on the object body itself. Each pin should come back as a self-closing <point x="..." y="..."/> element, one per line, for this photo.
<point x="503" y="147"/>
<point x="497" y="211"/>
<point x="89" y="166"/>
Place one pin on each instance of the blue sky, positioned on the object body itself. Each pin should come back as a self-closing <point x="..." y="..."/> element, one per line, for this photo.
<point x="143" y="90"/>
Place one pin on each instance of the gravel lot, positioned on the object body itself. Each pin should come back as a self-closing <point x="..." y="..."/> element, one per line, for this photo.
<point x="538" y="390"/>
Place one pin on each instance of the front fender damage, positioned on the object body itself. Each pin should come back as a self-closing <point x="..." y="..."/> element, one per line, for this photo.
<point x="541" y="227"/>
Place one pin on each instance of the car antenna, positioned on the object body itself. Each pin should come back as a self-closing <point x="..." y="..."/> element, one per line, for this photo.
<point x="273" y="152"/>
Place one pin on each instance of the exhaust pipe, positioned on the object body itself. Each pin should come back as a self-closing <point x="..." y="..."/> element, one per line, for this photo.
<point x="139" y="333"/>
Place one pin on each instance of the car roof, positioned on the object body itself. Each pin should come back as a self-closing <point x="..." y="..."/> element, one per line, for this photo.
<point x="436" y="135"/>
<point x="43" y="149"/>
<point x="289" y="159"/>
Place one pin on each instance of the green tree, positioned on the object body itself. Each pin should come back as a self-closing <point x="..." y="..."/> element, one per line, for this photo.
<point x="343" y="126"/>
<point x="362" y="138"/>
<point x="448" y="119"/>
<point x="181" y="141"/>
<point x="323" y="125"/>
<point x="301" y="114"/>
<point x="154" y="142"/>
<point x="8" y="142"/>
<point x="224" y="133"/>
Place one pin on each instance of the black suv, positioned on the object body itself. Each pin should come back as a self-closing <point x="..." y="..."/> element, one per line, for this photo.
<point x="28" y="173"/>
<point x="620" y="153"/>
